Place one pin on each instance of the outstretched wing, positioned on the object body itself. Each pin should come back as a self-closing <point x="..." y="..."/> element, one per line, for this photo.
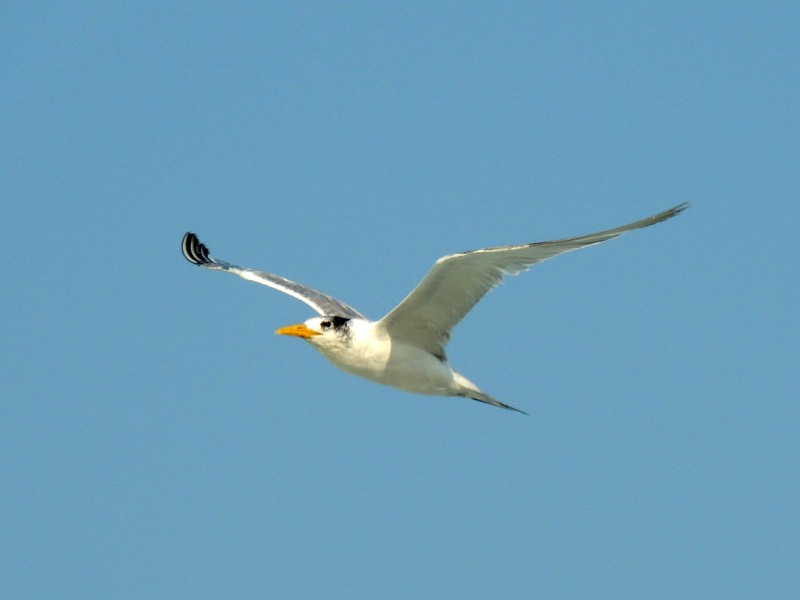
<point x="457" y="282"/>
<point x="197" y="253"/>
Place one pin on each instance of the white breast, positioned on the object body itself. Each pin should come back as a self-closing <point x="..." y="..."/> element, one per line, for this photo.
<point x="373" y="355"/>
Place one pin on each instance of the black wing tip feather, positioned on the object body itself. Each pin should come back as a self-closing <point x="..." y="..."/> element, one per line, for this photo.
<point x="676" y="210"/>
<point x="194" y="250"/>
<point x="664" y="215"/>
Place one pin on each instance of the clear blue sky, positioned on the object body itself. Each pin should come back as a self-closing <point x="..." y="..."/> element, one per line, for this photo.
<point x="158" y="441"/>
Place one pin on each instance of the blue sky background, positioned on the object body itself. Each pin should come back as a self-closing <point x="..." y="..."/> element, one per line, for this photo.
<point x="158" y="441"/>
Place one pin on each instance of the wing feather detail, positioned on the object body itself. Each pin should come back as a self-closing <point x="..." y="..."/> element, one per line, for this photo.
<point x="197" y="253"/>
<point x="457" y="282"/>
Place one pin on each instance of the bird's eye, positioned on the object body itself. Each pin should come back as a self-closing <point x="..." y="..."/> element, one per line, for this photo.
<point x="325" y="324"/>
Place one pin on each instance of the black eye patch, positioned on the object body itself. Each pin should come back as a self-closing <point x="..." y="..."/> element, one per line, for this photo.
<point x="338" y="322"/>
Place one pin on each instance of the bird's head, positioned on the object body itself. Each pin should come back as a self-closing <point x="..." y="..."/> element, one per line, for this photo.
<point x="323" y="332"/>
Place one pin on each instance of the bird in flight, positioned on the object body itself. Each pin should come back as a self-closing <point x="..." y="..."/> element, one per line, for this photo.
<point x="405" y="349"/>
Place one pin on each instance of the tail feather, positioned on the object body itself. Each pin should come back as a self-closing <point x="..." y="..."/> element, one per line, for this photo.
<point x="465" y="388"/>
<point x="482" y="397"/>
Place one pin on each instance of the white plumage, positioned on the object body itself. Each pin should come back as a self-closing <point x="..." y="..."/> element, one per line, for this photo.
<point x="405" y="349"/>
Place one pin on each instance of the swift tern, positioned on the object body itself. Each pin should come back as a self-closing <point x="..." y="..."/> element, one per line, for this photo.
<point x="405" y="349"/>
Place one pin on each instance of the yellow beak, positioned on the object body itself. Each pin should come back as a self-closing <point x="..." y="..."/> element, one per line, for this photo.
<point x="300" y="331"/>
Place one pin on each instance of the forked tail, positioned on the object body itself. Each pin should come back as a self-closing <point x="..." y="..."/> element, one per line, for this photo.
<point x="467" y="389"/>
<point x="481" y="397"/>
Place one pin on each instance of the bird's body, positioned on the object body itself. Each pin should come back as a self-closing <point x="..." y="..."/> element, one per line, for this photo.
<point x="405" y="349"/>
<point x="367" y="350"/>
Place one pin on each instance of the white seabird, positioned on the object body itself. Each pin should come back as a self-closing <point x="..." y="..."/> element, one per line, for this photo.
<point x="405" y="349"/>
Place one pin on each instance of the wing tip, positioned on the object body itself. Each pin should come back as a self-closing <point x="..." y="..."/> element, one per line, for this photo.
<point x="671" y="212"/>
<point x="194" y="250"/>
<point x="648" y="221"/>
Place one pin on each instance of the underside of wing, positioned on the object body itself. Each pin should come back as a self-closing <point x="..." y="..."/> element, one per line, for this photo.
<point x="197" y="253"/>
<point x="457" y="282"/>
